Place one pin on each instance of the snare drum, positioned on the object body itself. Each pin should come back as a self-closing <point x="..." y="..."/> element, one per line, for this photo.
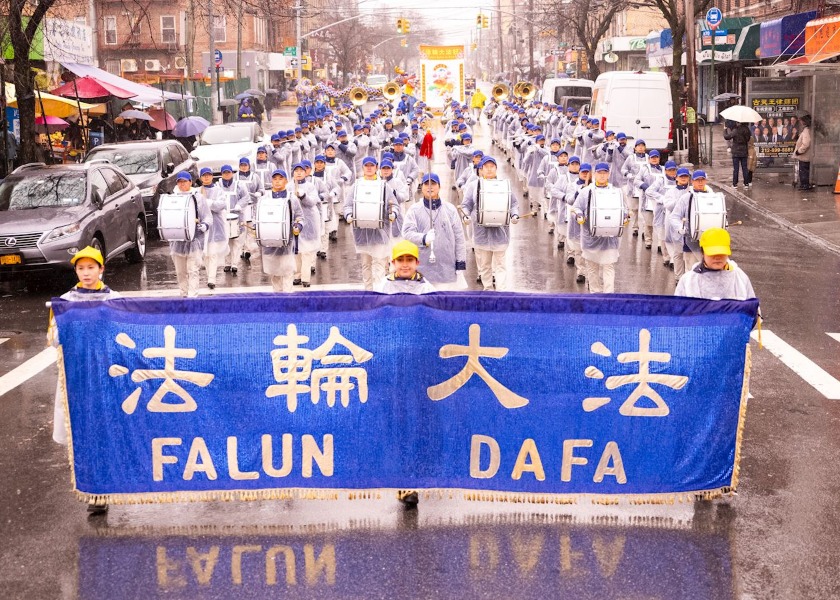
<point x="273" y="222"/>
<point x="706" y="210"/>
<point x="176" y="217"/>
<point x="369" y="204"/>
<point x="493" y="203"/>
<point x="606" y="212"/>
<point x="232" y="224"/>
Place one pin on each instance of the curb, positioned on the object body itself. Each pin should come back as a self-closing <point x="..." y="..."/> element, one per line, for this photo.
<point x="781" y="221"/>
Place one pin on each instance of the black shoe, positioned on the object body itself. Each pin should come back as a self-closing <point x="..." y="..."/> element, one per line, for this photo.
<point x="306" y="284"/>
<point x="312" y="270"/>
<point x="478" y="279"/>
<point x="666" y="263"/>
<point x="247" y="258"/>
<point x="570" y="260"/>
<point x="333" y="236"/>
<point x="561" y="244"/>
<point x="409" y="499"/>
<point x="551" y="231"/>
<point x="212" y="286"/>
<point x="635" y="233"/>
<point x="647" y="246"/>
<point x="297" y="282"/>
<point x="96" y="507"/>
<point x="671" y="266"/>
<point x="580" y="279"/>
<point x="227" y="269"/>
<point x="659" y="249"/>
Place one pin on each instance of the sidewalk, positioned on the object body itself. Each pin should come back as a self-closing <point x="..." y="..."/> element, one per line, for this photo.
<point x="814" y="215"/>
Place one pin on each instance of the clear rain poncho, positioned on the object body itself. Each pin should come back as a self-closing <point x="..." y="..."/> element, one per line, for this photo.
<point x="376" y="242"/>
<point x="280" y="261"/>
<point x="449" y="245"/>
<point x="730" y="283"/>
<point x="495" y="239"/>
<point x="202" y="214"/>
<point x="309" y="239"/>
<point x="598" y="249"/>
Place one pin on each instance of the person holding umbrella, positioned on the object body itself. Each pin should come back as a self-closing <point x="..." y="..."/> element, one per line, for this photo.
<point x="803" y="153"/>
<point x="740" y="139"/>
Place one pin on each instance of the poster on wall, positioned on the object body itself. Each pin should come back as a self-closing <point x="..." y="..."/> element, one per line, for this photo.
<point x="441" y="75"/>
<point x="780" y="104"/>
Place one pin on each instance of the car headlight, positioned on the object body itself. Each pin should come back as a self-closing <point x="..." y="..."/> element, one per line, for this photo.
<point x="61" y="232"/>
<point x="147" y="191"/>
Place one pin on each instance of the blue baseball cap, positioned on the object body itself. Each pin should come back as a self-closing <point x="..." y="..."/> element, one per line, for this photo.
<point x="555" y="141"/>
<point x="539" y="137"/>
<point x="205" y="171"/>
<point x="478" y="153"/>
<point x="245" y="161"/>
<point x="183" y="176"/>
<point x="297" y="130"/>
<point x="638" y="142"/>
<point x="485" y="160"/>
<point x="227" y="168"/>
<point x="621" y="136"/>
<point x="275" y="137"/>
<point x="574" y="159"/>
<point x="369" y="160"/>
<point x="400" y="141"/>
<point x="342" y="133"/>
<point x="466" y="136"/>
<point x="602" y="166"/>
<point x="431" y="177"/>
<point x="320" y="157"/>
<point x="652" y="152"/>
<point x="670" y="165"/>
<point x="386" y="164"/>
<point x="279" y="172"/>
<point x="305" y="162"/>
<point x="698" y="175"/>
<point x="330" y="145"/>
<point x="609" y="133"/>
<point x="682" y="171"/>
<point x="586" y="167"/>
<point x="298" y="166"/>
<point x="388" y="155"/>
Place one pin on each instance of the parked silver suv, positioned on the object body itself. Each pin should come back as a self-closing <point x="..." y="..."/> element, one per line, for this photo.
<point x="48" y="213"/>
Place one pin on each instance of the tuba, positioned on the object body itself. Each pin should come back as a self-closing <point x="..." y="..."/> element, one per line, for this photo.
<point x="525" y="90"/>
<point x="500" y="92"/>
<point x="358" y="96"/>
<point x="391" y="90"/>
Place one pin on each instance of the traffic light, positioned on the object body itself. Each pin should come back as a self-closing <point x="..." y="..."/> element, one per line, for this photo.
<point x="399" y="25"/>
<point x="485" y="21"/>
<point x="406" y="26"/>
<point x="478" y="21"/>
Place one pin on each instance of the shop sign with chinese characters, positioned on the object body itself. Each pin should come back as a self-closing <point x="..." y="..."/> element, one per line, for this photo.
<point x="248" y="396"/>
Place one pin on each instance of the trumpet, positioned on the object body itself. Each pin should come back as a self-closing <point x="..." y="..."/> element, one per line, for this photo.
<point x="358" y="96"/>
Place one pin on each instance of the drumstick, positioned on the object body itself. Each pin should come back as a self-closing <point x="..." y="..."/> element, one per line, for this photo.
<point x="529" y="215"/>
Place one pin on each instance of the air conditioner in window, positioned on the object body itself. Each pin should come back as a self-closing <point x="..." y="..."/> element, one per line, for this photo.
<point x="128" y="65"/>
<point x="151" y="65"/>
<point x="180" y="62"/>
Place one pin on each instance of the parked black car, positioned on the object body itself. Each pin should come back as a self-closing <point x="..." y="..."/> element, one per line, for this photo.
<point x="152" y="165"/>
<point x="49" y="212"/>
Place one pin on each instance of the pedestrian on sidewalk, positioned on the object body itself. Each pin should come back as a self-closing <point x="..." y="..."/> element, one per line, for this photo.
<point x="804" y="153"/>
<point x="740" y="139"/>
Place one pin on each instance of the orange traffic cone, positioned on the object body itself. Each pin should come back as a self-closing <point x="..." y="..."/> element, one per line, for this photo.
<point x="837" y="183"/>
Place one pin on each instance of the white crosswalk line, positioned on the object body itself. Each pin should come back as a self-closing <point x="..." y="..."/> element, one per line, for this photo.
<point x="836" y="336"/>
<point x="27" y="370"/>
<point x="3" y="340"/>
<point x="800" y="364"/>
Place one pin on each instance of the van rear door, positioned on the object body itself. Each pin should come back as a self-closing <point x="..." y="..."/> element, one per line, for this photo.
<point x="655" y="113"/>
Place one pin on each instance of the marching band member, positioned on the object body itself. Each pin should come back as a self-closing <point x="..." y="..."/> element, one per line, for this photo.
<point x="569" y="133"/>
<point x="263" y="168"/>
<point x="673" y="237"/>
<point x="590" y="139"/>
<point x="630" y="169"/>
<point x="329" y="186"/>
<point x="490" y="243"/>
<point x="279" y="262"/>
<point x="346" y="152"/>
<point x="188" y="256"/>
<point x="600" y="253"/>
<point x="647" y="174"/>
<point x="396" y="186"/>
<point x="216" y="240"/>
<point x="691" y="251"/>
<point x="309" y="137"/>
<point x="471" y="172"/>
<point x="531" y="163"/>
<point x="237" y="199"/>
<point x="553" y="173"/>
<point x="363" y="144"/>
<point x="716" y="277"/>
<point x="463" y="156"/>
<point x="308" y="240"/>
<point x="255" y="182"/>
<point x="576" y="179"/>
<point x="404" y="163"/>
<point x="434" y="225"/>
<point x="373" y="245"/>
<point x="656" y="193"/>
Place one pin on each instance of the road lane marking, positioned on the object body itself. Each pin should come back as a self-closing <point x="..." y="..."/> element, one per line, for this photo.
<point x="27" y="370"/>
<point x="800" y="364"/>
<point x="3" y="340"/>
<point x="836" y="336"/>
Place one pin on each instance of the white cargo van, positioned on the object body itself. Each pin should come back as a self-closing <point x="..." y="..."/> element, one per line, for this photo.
<point x="554" y="90"/>
<point x="637" y="103"/>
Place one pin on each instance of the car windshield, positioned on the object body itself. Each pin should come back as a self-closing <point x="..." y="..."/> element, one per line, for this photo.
<point x="42" y="191"/>
<point x="225" y="134"/>
<point x="132" y="162"/>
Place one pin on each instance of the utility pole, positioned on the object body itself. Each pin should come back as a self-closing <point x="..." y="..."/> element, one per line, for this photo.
<point x="690" y="70"/>
<point x="298" y="41"/>
<point x="239" y="40"/>
<point x="499" y="36"/>
<point x="214" y="72"/>
<point x="531" y="40"/>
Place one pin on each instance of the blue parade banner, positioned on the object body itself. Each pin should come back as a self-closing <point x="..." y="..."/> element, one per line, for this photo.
<point x="501" y="395"/>
<point x="493" y="561"/>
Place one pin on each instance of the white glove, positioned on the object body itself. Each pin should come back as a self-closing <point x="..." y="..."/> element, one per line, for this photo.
<point x="466" y="218"/>
<point x="430" y="237"/>
<point x="514" y="219"/>
<point x="202" y="227"/>
<point x="392" y="216"/>
<point x="349" y="219"/>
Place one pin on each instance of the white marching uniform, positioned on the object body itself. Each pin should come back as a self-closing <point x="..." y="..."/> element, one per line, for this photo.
<point x="449" y="245"/>
<point x="279" y="262"/>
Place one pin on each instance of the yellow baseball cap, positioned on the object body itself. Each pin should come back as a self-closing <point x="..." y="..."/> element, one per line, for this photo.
<point x="403" y="248"/>
<point x="88" y="252"/>
<point x="715" y="241"/>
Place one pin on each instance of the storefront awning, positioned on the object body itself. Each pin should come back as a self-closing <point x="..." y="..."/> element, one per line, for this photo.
<point x="822" y="39"/>
<point x="785" y="36"/>
<point x="726" y="34"/>
<point x="748" y="46"/>
<point x="142" y="93"/>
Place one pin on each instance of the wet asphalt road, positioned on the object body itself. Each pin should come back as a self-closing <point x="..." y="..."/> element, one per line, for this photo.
<point x="778" y="538"/>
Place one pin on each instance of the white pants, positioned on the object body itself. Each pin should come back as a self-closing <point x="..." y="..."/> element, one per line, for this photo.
<point x="690" y="259"/>
<point x="251" y="244"/>
<point x="676" y="254"/>
<point x="600" y="277"/>
<point x="187" y="269"/>
<point x="633" y="203"/>
<point x="537" y="196"/>
<point x="648" y="231"/>
<point x="235" y="248"/>
<point x="491" y="263"/>
<point x="304" y="263"/>
<point x="573" y="249"/>
<point x="659" y="233"/>
<point x="211" y="261"/>
<point x="282" y="283"/>
<point x="374" y="270"/>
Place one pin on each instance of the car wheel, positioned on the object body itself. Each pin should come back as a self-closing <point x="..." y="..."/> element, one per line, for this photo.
<point x="97" y="243"/>
<point x="138" y="252"/>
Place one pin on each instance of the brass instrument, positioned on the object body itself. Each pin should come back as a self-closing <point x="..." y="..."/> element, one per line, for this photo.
<point x="500" y="92"/>
<point x="391" y="90"/>
<point x="525" y="90"/>
<point x="358" y="96"/>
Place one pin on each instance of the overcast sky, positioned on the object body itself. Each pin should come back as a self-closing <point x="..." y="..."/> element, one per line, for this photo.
<point x="455" y="19"/>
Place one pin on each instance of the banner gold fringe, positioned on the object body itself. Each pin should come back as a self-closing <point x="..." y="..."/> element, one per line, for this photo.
<point x="376" y="494"/>
<point x="61" y="390"/>
<point x="742" y="417"/>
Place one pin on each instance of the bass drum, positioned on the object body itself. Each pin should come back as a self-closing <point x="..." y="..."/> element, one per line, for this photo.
<point x="369" y="205"/>
<point x="177" y="217"/>
<point x="273" y="222"/>
<point x="606" y="212"/>
<point x="706" y="210"/>
<point x="493" y="205"/>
